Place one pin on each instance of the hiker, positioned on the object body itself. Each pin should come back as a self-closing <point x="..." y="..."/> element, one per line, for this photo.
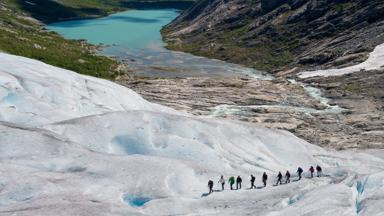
<point x="319" y="170"/>
<point x="287" y="177"/>
<point x="210" y="186"/>
<point x="311" y="170"/>
<point x="222" y="182"/>
<point x="231" y="181"/>
<point x="279" y="178"/>
<point x="253" y="182"/>
<point x="238" y="183"/>
<point x="299" y="171"/>
<point x="265" y="177"/>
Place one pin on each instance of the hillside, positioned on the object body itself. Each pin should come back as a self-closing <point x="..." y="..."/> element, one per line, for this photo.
<point x="23" y="35"/>
<point x="22" y="32"/>
<point x="53" y="11"/>
<point x="278" y="34"/>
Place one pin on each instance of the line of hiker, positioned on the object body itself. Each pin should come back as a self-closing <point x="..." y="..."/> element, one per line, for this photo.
<point x="287" y="176"/>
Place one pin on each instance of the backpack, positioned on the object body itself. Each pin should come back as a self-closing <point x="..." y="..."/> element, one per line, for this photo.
<point x="232" y="180"/>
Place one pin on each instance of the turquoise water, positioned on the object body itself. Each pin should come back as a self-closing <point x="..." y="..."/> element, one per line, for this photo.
<point x="134" y="38"/>
<point x="134" y="29"/>
<point x="135" y="201"/>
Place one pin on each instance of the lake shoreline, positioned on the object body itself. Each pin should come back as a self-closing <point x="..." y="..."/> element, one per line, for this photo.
<point x="126" y="6"/>
<point x="196" y="84"/>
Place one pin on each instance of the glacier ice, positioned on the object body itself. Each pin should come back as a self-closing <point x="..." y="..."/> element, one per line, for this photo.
<point x="77" y="145"/>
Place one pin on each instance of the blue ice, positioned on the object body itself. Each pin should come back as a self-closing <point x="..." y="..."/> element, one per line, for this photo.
<point x="130" y="145"/>
<point x="136" y="201"/>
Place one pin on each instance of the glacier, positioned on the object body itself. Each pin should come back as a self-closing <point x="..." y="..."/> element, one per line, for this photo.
<point x="77" y="145"/>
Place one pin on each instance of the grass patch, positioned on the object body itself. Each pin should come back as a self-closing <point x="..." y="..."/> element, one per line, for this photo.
<point x="354" y="88"/>
<point x="342" y="6"/>
<point x="21" y="36"/>
<point x="227" y="47"/>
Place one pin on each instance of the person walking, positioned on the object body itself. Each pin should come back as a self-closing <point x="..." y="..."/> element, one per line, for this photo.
<point x="222" y="182"/>
<point x="319" y="170"/>
<point x="238" y="182"/>
<point x="210" y="186"/>
<point x="231" y="181"/>
<point x="311" y="170"/>
<point x="287" y="177"/>
<point x="265" y="177"/>
<point x="253" y="182"/>
<point x="299" y="172"/>
<point x="279" y="178"/>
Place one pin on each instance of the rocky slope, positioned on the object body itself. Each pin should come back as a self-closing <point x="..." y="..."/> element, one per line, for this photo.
<point x="354" y="118"/>
<point x="277" y="34"/>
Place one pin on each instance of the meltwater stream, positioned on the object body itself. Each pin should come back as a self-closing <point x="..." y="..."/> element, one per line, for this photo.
<point x="234" y="110"/>
<point x="134" y="37"/>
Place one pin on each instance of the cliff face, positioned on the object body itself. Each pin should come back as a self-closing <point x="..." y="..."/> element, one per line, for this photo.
<point x="277" y="34"/>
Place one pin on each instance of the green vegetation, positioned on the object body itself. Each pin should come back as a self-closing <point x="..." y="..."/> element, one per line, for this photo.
<point x="19" y="35"/>
<point x="260" y="57"/>
<point x="342" y="6"/>
<point x="354" y="88"/>
<point x="226" y="46"/>
<point x="53" y="11"/>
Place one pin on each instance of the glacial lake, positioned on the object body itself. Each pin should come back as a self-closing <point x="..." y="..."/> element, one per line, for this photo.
<point x="134" y="29"/>
<point x="134" y="37"/>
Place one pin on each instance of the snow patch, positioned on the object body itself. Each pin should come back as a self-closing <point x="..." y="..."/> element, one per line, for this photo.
<point x="375" y="61"/>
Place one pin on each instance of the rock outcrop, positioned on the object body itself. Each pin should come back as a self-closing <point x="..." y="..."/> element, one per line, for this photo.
<point x="283" y="105"/>
<point x="273" y="34"/>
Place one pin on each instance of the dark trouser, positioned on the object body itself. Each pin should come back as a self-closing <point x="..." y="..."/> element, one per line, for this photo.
<point x="231" y="186"/>
<point x="265" y="183"/>
<point x="299" y="176"/>
<point x="238" y="185"/>
<point x="287" y="180"/>
<point x="222" y="186"/>
<point x="253" y="184"/>
<point x="278" y="181"/>
<point x="210" y="190"/>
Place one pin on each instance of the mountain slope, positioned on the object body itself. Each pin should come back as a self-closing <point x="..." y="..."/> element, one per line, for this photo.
<point x="22" y="32"/>
<point x="278" y="34"/>
<point x="53" y="11"/>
